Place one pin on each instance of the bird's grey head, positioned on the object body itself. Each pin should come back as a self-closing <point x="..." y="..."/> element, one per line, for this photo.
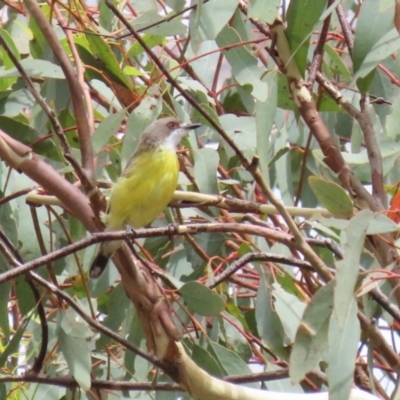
<point x="166" y="132"/>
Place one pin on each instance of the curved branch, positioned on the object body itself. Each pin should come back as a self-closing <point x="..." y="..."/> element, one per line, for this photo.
<point x="21" y="158"/>
<point x="77" y="96"/>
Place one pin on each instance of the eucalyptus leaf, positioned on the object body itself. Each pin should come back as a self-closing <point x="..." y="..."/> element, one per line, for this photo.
<point x="348" y="268"/>
<point x="205" y="170"/>
<point x="201" y="300"/>
<point x="290" y="310"/>
<point x="154" y="24"/>
<point x="343" y="347"/>
<point x="209" y="19"/>
<point x="231" y="363"/>
<point x="244" y="65"/>
<point x="4" y="317"/>
<point x="106" y="130"/>
<point x="206" y="361"/>
<point x="373" y="25"/>
<point x="34" y="69"/>
<point x="298" y="32"/>
<point x="269" y="326"/>
<point x="331" y="196"/>
<point x="150" y="40"/>
<point x="12" y="346"/>
<point x="76" y="353"/>
<point x="7" y="62"/>
<point x="310" y="346"/>
<point x="267" y="11"/>
<point x="242" y="130"/>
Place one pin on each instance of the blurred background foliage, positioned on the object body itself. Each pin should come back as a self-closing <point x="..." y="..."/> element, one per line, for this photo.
<point x="268" y="315"/>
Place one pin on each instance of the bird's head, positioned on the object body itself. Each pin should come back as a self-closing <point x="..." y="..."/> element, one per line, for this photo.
<point x="165" y="132"/>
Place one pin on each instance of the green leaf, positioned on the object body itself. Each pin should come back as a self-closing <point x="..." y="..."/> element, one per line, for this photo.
<point x="7" y="62"/>
<point x="75" y="350"/>
<point x="302" y="16"/>
<point x="269" y="326"/>
<point x="132" y="71"/>
<point x="206" y="361"/>
<point x="285" y="100"/>
<point x="372" y="280"/>
<point x="242" y="130"/>
<point x="244" y="64"/>
<point x="311" y="343"/>
<point x="34" y="69"/>
<point x="106" y="129"/>
<point x="176" y="5"/>
<point x="205" y="170"/>
<point x="150" y="40"/>
<point x="290" y="310"/>
<point x="280" y="153"/>
<point x="343" y="346"/>
<point x="232" y="333"/>
<point x="201" y="300"/>
<point x="267" y="11"/>
<point x="207" y="21"/>
<point x="392" y="121"/>
<point x="283" y="169"/>
<point x="373" y="24"/>
<point x="265" y="117"/>
<point x="163" y="27"/>
<point x="337" y="64"/>
<point x="117" y="306"/>
<point x="381" y="224"/>
<point x="386" y="46"/>
<point x="332" y="196"/>
<point x="360" y="163"/>
<point x="210" y="111"/>
<point x="205" y="65"/>
<point x="28" y="135"/>
<point x="231" y="363"/>
<point x="348" y="269"/>
<point x="4" y="315"/>
<point x="103" y="54"/>
<point x="25" y="297"/>
<point x="106" y="16"/>
<point x="38" y="43"/>
<point x="13" y="345"/>
<point x="8" y="222"/>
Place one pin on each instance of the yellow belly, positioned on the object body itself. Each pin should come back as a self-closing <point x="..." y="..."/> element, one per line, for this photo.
<point x="145" y="189"/>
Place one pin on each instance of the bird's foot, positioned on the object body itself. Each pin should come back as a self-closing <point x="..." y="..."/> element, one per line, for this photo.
<point x="173" y="229"/>
<point x="130" y="231"/>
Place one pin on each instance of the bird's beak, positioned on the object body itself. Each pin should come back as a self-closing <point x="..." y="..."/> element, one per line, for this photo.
<point x="188" y="127"/>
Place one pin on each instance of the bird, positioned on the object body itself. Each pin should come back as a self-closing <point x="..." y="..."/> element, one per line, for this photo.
<point x="146" y="185"/>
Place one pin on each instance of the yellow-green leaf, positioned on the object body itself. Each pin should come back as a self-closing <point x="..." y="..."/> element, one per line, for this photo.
<point x="332" y="196"/>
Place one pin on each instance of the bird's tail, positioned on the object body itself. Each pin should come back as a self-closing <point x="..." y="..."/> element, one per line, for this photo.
<point x="100" y="262"/>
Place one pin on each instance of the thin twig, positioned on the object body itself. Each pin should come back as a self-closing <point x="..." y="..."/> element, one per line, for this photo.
<point x="242" y="261"/>
<point x="319" y="49"/>
<point x="346" y="28"/>
<point x="166" y="19"/>
<point x="148" y="232"/>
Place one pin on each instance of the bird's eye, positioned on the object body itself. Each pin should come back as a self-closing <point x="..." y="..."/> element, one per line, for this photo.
<point x="171" y="125"/>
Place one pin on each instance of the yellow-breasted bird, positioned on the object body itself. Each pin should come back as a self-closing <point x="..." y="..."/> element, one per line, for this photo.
<point x="146" y="186"/>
